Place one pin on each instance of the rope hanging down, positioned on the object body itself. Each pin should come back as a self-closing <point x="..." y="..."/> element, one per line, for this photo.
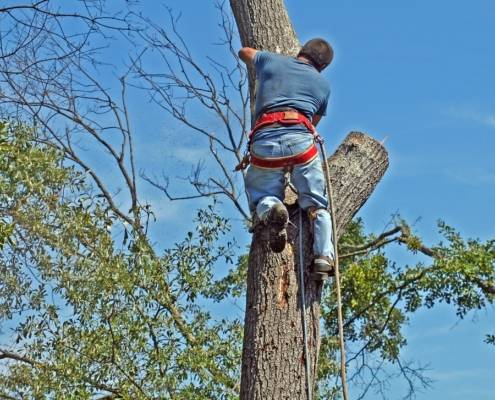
<point x="309" y="382"/>
<point x="343" y="374"/>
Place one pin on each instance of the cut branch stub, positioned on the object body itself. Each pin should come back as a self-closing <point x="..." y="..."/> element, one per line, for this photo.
<point x="356" y="167"/>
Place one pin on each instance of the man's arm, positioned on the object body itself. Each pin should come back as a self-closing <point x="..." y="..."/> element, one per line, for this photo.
<point x="247" y="54"/>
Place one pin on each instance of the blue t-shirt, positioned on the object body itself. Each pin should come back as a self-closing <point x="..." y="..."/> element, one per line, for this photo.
<point x="288" y="82"/>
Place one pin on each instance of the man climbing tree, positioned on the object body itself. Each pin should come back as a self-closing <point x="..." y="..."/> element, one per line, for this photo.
<point x="292" y="97"/>
<point x="273" y="360"/>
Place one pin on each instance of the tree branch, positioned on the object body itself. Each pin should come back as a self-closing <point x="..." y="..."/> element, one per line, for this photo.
<point x="5" y="354"/>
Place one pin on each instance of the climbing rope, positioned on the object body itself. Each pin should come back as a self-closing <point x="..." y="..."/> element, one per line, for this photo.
<point x="309" y="383"/>
<point x="343" y="373"/>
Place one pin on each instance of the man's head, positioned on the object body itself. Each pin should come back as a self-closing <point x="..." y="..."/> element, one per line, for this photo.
<point x="318" y="52"/>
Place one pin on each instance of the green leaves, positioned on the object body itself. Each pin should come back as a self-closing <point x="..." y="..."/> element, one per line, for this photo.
<point x="96" y="317"/>
<point x="379" y="296"/>
<point x="490" y="339"/>
<point x="462" y="273"/>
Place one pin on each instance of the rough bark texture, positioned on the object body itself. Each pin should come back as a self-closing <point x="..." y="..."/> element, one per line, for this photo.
<point x="273" y="359"/>
<point x="265" y="24"/>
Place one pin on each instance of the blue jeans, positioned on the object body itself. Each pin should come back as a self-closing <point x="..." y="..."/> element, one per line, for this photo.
<point x="265" y="187"/>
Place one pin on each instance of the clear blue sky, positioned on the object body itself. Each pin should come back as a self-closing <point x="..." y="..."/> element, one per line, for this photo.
<point x="420" y="74"/>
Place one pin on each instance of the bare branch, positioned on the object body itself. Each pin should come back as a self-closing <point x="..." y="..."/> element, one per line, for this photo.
<point x="164" y="188"/>
<point x="376" y="242"/>
<point x="186" y="84"/>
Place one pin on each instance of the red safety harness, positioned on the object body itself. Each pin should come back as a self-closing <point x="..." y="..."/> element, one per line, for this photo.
<point x="286" y="118"/>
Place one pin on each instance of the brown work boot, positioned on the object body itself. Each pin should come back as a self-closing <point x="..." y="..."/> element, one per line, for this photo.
<point x="277" y="221"/>
<point x="323" y="267"/>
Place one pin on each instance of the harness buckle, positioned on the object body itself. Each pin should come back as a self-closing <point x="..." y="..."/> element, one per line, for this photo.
<point x="291" y="115"/>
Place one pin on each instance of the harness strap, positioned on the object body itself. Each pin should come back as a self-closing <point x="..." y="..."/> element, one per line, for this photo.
<point x="291" y="117"/>
<point x="285" y="117"/>
<point x="303" y="157"/>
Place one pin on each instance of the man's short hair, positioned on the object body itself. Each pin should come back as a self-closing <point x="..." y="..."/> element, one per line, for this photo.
<point x="318" y="51"/>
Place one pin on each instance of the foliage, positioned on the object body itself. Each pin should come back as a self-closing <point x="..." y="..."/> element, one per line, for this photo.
<point x="95" y="316"/>
<point x="379" y="297"/>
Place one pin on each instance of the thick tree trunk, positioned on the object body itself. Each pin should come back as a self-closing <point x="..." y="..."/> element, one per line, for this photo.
<point x="273" y="358"/>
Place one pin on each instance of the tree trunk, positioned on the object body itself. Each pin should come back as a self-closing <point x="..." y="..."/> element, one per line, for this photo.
<point x="273" y="358"/>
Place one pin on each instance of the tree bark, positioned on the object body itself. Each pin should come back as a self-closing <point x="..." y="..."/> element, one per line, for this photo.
<point x="273" y="358"/>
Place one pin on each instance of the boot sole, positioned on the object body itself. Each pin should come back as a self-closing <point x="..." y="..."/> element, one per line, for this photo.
<point x="278" y="240"/>
<point x="324" y="267"/>
<point x="319" y="276"/>
<point x="277" y="223"/>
